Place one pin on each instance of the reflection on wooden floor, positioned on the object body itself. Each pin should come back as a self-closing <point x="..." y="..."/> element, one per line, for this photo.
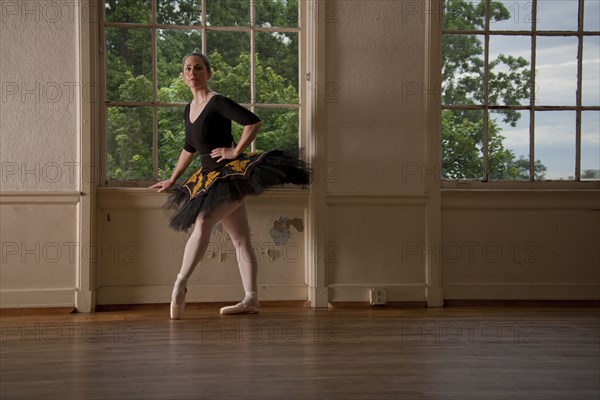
<point x="302" y="353"/>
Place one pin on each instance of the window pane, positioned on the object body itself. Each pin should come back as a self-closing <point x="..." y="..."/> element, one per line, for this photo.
<point x="229" y="55"/>
<point x="555" y="143"/>
<point x="276" y="67"/>
<point x="462" y="69"/>
<point x="509" y="70"/>
<point x="556" y="81"/>
<point x="279" y="129"/>
<point x="557" y="15"/>
<point x="228" y="13"/>
<point x="513" y="15"/>
<point x="591" y="15"/>
<point x="172" y="47"/>
<point x="508" y="149"/>
<point x="278" y="14"/>
<point x="129" y="143"/>
<point x="590" y="145"/>
<point x="171" y="138"/>
<point x="462" y="136"/>
<point x="181" y="12"/>
<point x="590" y="82"/>
<point x="464" y="15"/>
<point x="134" y="11"/>
<point x="128" y="64"/>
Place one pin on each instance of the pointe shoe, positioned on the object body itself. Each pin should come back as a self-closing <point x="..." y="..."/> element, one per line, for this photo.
<point x="241" y="308"/>
<point x="177" y="309"/>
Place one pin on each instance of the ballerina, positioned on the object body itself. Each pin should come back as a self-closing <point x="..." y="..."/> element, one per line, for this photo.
<point x="216" y="191"/>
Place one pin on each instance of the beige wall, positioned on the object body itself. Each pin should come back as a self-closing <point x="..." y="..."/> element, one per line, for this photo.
<point x="374" y="54"/>
<point x="39" y="153"/>
<point x="376" y="145"/>
<point x="375" y="216"/>
<point x="39" y="78"/>
<point x="515" y="245"/>
<point x="141" y="255"/>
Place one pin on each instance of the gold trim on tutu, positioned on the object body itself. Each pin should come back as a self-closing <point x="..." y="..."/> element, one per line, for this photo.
<point x="200" y="182"/>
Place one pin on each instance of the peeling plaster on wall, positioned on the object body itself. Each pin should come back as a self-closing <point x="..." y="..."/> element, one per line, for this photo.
<point x="221" y="245"/>
<point x="272" y="254"/>
<point x="217" y="229"/>
<point x="280" y="232"/>
<point x="209" y="255"/>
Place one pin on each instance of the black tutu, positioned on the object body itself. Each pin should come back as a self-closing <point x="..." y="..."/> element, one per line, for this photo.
<point x="249" y="174"/>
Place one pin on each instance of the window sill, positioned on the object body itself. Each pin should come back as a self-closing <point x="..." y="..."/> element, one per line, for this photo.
<point x="448" y="185"/>
<point x="138" y="197"/>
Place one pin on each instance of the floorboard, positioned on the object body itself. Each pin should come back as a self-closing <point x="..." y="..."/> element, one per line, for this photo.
<point x="302" y="353"/>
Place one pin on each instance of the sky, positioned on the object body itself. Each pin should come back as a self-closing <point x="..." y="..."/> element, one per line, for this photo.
<point x="555" y="83"/>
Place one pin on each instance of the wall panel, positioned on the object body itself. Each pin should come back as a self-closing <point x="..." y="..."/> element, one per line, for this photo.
<point x="376" y="245"/>
<point x="142" y="255"/>
<point x="520" y="245"/>
<point x="40" y="250"/>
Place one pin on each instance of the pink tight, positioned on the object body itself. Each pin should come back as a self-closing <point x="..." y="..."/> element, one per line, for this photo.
<point x="234" y="219"/>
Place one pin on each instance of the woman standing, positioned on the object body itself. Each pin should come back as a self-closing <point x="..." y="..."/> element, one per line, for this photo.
<point x="215" y="192"/>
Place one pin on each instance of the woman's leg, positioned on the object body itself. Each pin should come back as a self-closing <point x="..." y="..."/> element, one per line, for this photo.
<point x="194" y="251"/>
<point x="196" y="247"/>
<point x="236" y="225"/>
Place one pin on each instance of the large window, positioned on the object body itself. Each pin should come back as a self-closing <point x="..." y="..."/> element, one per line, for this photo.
<point x="254" y="51"/>
<point x="520" y="90"/>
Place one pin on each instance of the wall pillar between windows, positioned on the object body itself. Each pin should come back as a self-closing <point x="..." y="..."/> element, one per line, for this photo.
<point x="46" y="202"/>
<point x="85" y="294"/>
<point x="316" y="216"/>
<point x="434" y="293"/>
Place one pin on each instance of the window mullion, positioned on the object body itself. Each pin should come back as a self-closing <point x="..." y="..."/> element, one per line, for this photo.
<point x="252" y="65"/>
<point x="579" y="94"/>
<point x="102" y="145"/>
<point x="532" y="92"/>
<point x="154" y="95"/>
<point x="203" y="27"/>
<point x="493" y="33"/>
<point x="486" y="59"/>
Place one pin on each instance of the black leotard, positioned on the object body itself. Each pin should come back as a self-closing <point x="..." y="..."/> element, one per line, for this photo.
<point x="229" y="180"/>
<point x="212" y="128"/>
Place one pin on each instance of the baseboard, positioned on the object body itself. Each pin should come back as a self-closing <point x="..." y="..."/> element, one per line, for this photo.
<point x="26" y="311"/>
<point x="521" y="303"/>
<point x="390" y="304"/>
<point x="161" y="294"/>
<point x="359" y="293"/>
<point x="522" y="291"/>
<point x="37" y="298"/>
<point x="193" y="306"/>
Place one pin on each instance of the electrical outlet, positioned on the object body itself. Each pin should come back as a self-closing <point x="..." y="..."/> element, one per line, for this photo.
<point x="378" y="297"/>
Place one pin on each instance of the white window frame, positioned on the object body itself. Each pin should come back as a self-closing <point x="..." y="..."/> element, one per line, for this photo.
<point x="304" y="10"/>
<point x="531" y="108"/>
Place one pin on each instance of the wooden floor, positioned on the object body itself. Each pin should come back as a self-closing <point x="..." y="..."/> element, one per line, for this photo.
<point x="301" y="353"/>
